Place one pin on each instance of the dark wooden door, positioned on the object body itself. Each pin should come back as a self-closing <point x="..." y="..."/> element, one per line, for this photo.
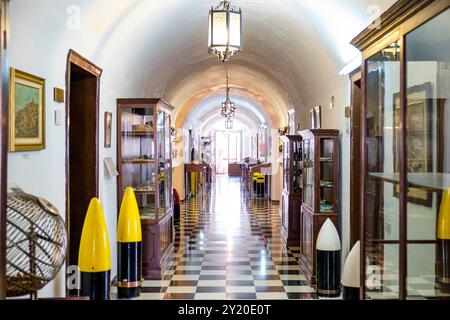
<point x="82" y="164"/>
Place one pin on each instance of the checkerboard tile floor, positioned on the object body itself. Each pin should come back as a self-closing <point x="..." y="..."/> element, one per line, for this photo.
<point x="229" y="247"/>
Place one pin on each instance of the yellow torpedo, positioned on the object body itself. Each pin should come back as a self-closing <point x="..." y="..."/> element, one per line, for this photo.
<point x="443" y="231"/>
<point x="129" y="224"/>
<point x="94" y="254"/>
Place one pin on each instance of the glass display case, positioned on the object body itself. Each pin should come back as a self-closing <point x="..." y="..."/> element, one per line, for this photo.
<point x="405" y="141"/>
<point x="145" y="164"/>
<point x="320" y="190"/>
<point x="292" y="189"/>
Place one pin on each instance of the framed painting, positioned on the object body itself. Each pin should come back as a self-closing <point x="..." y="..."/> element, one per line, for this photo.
<point x="312" y="119"/>
<point x="318" y="117"/>
<point x="419" y="139"/>
<point x="108" y="129"/>
<point x="292" y="127"/>
<point x="26" y="112"/>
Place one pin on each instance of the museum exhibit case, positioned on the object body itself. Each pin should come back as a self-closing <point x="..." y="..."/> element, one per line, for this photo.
<point x="144" y="163"/>
<point x="320" y="151"/>
<point x="406" y="153"/>
<point x="291" y="197"/>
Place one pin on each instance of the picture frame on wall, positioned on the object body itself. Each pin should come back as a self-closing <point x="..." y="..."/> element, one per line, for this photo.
<point x="419" y="139"/>
<point x="312" y="119"/>
<point x="108" y="129"/>
<point x="26" y="112"/>
<point x="318" y="117"/>
<point x="292" y="127"/>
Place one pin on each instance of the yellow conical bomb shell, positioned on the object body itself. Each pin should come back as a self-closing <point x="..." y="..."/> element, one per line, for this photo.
<point x="443" y="225"/>
<point x="94" y="254"/>
<point x="129" y="224"/>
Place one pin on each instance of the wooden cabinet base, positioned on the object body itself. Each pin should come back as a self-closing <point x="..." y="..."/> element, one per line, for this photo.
<point x="311" y="223"/>
<point x="157" y="247"/>
<point x="290" y="217"/>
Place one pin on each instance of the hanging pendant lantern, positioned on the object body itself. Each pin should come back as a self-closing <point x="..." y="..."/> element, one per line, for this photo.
<point x="229" y="124"/>
<point x="225" y="30"/>
<point x="228" y="108"/>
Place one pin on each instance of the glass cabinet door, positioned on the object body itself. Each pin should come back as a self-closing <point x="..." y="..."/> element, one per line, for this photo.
<point x="428" y="157"/>
<point x="382" y="205"/>
<point x="308" y="173"/>
<point x="286" y="159"/>
<point x="161" y="163"/>
<point x="297" y="163"/>
<point x="138" y="157"/>
<point x="168" y="161"/>
<point x="327" y="194"/>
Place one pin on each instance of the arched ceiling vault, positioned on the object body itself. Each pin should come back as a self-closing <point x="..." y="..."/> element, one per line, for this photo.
<point x="292" y="49"/>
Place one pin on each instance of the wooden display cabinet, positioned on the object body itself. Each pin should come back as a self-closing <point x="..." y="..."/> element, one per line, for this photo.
<point x="320" y="190"/>
<point x="405" y="151"/>
<point x="145" y="164"/>
<point x="292" y="190"/>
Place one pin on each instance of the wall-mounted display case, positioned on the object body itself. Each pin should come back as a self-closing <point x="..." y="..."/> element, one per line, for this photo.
<point x="320" y="190"/>
<point x="144" y="163"/>
<point x="292" y="189"/>
<point x="406" y="150"/>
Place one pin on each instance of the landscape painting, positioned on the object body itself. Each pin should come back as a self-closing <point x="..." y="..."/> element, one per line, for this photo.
<point x="26" y="112"/>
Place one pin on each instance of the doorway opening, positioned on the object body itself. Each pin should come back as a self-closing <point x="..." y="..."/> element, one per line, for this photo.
<point x="228" y="145"/>
<point x="355" y="156"/>
<point x="82" y="145"/>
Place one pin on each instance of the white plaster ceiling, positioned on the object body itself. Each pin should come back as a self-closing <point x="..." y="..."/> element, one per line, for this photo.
<point x="292" y="49"/>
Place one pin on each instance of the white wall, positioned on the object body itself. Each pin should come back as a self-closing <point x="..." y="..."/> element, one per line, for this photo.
<point x="39" y="44"/>
<point x="339" y="87"/>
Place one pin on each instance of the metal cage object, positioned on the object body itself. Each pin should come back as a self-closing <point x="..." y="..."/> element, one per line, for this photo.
<point x="36" y="243"/>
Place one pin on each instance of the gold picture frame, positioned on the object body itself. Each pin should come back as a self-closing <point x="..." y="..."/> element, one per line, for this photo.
<point x="318" y="117"/>
<point x="312" y="119"/>
<point x="26" y="112"/>
<point x="108" y="130"/>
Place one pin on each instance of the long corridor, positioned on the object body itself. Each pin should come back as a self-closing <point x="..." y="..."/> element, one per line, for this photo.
<point x="229" y="247"/>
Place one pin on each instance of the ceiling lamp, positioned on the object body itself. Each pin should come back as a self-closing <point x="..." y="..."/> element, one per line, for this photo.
<point x="225" y="30"/>
<point x="228" y="108"/>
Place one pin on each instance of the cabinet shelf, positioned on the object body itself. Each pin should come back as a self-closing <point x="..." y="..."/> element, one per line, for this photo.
<point x="144" y="191"/>
<point x="138" y="161"/>
<point x="138" y="133"/>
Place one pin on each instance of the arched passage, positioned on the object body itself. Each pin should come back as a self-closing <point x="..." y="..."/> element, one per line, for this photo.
<point x="293" y="52"/>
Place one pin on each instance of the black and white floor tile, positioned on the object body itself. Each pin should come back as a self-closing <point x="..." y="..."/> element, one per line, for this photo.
<point x="229" y="247"/>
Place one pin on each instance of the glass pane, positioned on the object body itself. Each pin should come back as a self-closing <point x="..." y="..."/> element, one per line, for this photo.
<point x="220" y="31"/>
<point x="138" y="157"/>
<point x="167" y="137"/>
<point x="428" y="155"/>
<point x="235" y="29"/>
<point x="327" y="199"/>
<point x="308" y="166"/>
<point x="286" y="157"/>
<point x="382" y="206"/>
<point x="161" y="163"/>
<point x="297" y="154"/>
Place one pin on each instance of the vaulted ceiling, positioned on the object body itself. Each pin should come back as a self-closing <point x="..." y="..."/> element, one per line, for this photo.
<point x="292" y="49"/>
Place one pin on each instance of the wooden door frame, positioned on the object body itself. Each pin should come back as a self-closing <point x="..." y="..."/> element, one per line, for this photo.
<point x="4" y="110"/>
<point x="355" y="159"/>
<point x="73" y="58"/>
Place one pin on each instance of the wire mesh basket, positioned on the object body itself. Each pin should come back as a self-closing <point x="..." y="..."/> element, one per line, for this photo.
<point x="36" y="243"/>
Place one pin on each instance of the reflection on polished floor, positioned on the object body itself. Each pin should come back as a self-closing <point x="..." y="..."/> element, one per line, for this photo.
<point x="229" y="247"/>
